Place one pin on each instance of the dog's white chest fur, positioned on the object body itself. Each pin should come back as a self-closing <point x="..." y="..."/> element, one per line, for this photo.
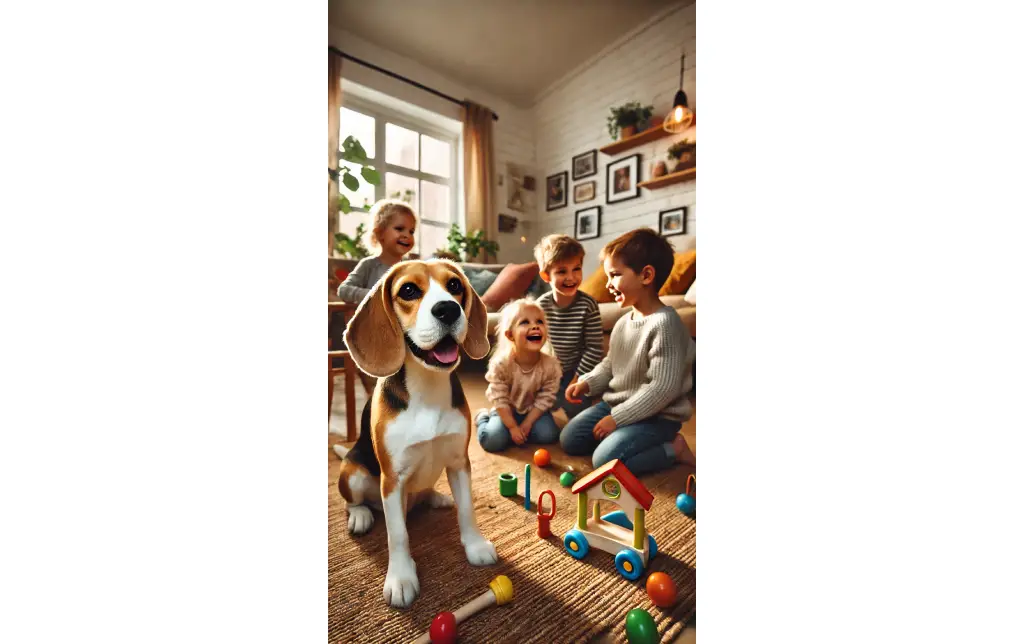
<point x="428" y="435"/>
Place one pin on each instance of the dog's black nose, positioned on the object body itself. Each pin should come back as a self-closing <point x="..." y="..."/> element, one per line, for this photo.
<point x="447" y="312"/>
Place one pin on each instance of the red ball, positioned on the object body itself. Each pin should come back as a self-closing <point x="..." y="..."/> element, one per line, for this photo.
<point x="541" y="458"/>
<point x="442" y="629"/>
<point x="661" y="589"/>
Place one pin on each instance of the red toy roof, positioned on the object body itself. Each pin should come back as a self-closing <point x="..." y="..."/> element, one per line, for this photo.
<point x="632" y="484"/>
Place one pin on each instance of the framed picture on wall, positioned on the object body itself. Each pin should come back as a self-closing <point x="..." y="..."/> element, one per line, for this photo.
<point x="557" y="191"/>
<point x="584" y="165"/>
<point x="588" y="223"/>
<point x="623" y="179"/>
<point x="672" y="222"/>
<point x="584" y="191"/>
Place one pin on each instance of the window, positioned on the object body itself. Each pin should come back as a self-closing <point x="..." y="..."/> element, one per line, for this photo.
<point x="417" y="162"/>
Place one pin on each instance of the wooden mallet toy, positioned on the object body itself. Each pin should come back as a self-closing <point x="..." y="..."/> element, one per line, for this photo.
<point x="443" y="628"/>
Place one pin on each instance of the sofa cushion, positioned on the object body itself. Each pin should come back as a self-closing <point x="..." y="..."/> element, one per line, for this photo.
<point x="481" y="279"/>
<point x="596" y="287"/>
<point x="691" y="294"/>
<point x="684" y="273"/>
<point x="512" y="283"/>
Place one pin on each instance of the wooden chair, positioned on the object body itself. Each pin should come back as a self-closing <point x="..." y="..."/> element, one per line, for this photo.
<point x="345" y="310"/>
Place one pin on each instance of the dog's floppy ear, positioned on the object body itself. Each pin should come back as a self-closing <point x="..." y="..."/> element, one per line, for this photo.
<point x="373" y="335"/>
<point x="475" y="345"/>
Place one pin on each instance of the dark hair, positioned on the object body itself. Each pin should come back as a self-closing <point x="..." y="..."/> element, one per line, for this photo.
<point x="643" y="247"/>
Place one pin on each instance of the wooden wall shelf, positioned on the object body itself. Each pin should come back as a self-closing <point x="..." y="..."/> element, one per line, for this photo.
<point x="669" y="179"/>
<point x="648" y="135"/>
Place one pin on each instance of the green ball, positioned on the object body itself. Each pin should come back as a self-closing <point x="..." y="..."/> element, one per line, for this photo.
<point x="566" y="479"/>
<point x="640" y="628"/>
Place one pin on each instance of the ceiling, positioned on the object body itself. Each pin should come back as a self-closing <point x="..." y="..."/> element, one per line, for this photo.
<point x="513" y="49"/>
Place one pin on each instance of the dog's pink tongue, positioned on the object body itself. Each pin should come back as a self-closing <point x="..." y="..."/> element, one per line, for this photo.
<point x="447" y="353"/>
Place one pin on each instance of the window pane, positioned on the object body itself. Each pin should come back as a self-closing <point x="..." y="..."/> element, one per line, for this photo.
<point x="402" y="146"/>
<point x="365" y="195"/>
<point x="434" y="201"/>
<point x="437" y="156"/>
<point x="431" y="238"/>
<point x="359" y="126"/>
<point x="399" y="186"/>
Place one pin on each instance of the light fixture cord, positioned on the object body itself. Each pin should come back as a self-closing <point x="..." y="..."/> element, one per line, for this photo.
<point x="682" y="63"/>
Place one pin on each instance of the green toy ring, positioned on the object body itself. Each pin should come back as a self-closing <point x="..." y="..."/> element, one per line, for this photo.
<point x="508" y="484"/>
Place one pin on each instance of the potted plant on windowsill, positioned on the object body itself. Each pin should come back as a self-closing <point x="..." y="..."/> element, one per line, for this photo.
<point x="684" y="153"/>
<point x="469" y="246"/>
<point x="627" y="119"/>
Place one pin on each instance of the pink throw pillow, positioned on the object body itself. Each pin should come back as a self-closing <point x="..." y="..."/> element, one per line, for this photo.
<point x="511" y="284"/>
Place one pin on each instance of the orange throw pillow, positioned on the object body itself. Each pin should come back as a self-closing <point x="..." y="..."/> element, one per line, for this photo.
<point x="595" y="287"/>
<point x="512" y="283"/>
<point x="684" y="272"/>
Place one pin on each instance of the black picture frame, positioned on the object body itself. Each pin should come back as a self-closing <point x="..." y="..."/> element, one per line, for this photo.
<point x="594" y="211"/>
<point x="682" y="211"/>
<point x="630" y="163"/>
<point x="551" y="182"/>
<point x="584" y="173"/>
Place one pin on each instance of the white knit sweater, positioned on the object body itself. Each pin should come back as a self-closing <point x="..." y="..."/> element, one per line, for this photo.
<point x="648" y="370"/>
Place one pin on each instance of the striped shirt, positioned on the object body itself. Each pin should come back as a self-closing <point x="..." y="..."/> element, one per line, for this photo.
<point x="575" y="332"/>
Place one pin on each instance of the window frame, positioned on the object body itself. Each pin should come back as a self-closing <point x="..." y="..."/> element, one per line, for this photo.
<point x="383" y="115"/>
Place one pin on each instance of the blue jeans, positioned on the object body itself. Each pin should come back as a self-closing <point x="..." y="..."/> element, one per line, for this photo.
<point x="571" y="409"/>
<point x="495" y="437"/>
<point x="644" y="447"/>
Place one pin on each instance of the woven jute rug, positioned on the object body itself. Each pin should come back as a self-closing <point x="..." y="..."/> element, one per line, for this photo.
<point x="557" y="598"/>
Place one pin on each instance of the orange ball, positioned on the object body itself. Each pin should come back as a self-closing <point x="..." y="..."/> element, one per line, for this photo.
<point x="661" y="589"/>
<point x="541" y="457"/>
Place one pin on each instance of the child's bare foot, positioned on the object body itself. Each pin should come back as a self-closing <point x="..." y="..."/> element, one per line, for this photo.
<point x="682" y="450"/>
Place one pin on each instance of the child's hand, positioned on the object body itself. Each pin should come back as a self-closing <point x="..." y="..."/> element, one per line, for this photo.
<point x="518" y="437"/>
<point x="604" y="427"/>
<point x="576" y="389"/>
<point x="525" y="428"/>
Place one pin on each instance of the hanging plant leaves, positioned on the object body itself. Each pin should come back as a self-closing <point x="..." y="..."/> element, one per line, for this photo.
<point x="372" y="176"/>
<point x="350" y="182"/>
<point x="344" y="205"/>
<point x="352" y="150"/>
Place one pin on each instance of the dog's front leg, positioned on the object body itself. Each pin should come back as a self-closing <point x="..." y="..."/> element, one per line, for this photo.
<point x="479" y="551"/>
<point x="401" y="584"/>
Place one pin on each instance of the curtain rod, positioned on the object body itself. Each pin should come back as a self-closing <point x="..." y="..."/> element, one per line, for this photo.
<point x="433" y="91"/>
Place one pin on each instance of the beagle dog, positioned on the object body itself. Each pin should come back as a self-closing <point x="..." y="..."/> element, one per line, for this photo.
<point x="407" y="332"/>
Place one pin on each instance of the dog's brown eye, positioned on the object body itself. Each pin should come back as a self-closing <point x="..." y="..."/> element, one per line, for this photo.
<point x="409" y="291"/>
<point x="454" y="286"/>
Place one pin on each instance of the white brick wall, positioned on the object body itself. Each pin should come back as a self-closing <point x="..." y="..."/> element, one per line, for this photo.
<point x="568" y="119"/>
<point x="571" y="119"/>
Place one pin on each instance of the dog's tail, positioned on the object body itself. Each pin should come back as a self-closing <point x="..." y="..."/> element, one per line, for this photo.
<point x="341" y="450"/>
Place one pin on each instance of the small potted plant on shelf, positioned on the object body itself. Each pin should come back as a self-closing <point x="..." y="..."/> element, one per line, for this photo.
<point x="352" y="247"/>
<point x="626" y="119"/>
<point x="684" y="153"/>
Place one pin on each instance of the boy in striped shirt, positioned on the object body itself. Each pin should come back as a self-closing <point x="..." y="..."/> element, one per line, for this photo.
<point x="574" y="321"/>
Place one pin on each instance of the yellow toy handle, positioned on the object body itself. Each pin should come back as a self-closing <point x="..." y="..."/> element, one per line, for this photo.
<point x="502" y="589"/>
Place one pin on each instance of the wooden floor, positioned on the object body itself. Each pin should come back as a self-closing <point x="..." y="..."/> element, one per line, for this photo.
<point x="474" y="386"/>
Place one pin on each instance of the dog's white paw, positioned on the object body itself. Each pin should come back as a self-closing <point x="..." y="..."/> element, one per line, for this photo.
<point x="481" y="552"/>
<point x="360" y="519"/>
<point x="438" y="500"/>
<point x="401" y="584"/>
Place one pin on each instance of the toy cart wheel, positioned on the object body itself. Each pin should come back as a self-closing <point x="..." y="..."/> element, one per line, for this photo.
<point x="576" y="544"/>
<point x="652" y="547"/>
<point x="629" y="564"/>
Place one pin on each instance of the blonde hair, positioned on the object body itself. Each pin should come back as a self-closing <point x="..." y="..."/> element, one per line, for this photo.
<point x="382" y="212"/>
<point x="510" y="314"/>
<point x="556" y="248"/>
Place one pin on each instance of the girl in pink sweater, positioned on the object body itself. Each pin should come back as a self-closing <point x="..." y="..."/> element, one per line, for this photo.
<point x="523" y="376"/>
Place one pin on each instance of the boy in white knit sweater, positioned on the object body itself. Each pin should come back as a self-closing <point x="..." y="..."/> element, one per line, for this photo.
<point x="645" y="379"/>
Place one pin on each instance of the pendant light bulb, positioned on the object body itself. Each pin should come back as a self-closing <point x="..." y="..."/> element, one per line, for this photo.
<point x="680" y="117"/>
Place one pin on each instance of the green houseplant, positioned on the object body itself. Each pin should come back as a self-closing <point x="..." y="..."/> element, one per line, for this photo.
<point x="684" y="153"/>
<point x="628" y="118"/>
<point x="353" y="152"/>
<point x="469" y="246"/>
<point x="352" y="247"/>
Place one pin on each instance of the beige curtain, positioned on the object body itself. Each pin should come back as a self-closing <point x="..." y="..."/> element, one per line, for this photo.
<point x="333" y="127"/>
<point x="478" y="152"/>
